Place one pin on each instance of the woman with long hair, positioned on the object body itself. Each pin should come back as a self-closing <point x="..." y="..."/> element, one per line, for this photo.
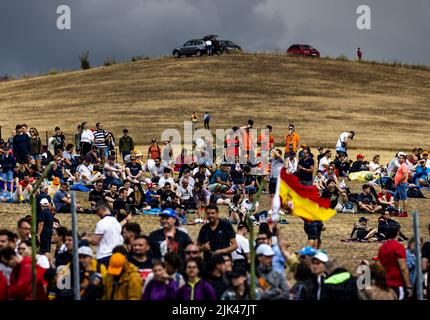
<point x="87" y="139"/>
<point x="36" y="147"/>
<point x="195" y="287"/>
<point x="110" y="144"/>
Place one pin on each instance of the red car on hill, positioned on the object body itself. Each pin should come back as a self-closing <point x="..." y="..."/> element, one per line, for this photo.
<point x="303" y="50"/>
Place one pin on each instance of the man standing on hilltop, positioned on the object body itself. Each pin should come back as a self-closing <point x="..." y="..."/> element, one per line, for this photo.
<point x="206" y="119"/>
<point x="194" y="121"/>
<point x="359" y="54"/>
<point x="126" y="144"/>
<point x="292" y="141"/>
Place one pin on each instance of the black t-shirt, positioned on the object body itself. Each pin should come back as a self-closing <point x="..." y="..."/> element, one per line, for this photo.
<point x="307" y="164"/>
<point x="47" y="218"/>
<point x="63" y="259"/>
<point x="219" y="238"/>
<point x="220" y="284"/>
<point x="366" y="199"/>
<point x="157" y="241"/>
<point x="249" y="179"/>
<point x="199" y="177"/>
<point x="39" y="197"/>
<point x="425" y="251"/>
<point x="333" y="196"/>
<point x="59" y="141"/>
<point x="118" y="205"/>
<point x="140" y="265"/>
<point x="135" y="168"/>
<point x="166" y="199"/>
<point x="96" y="195"/>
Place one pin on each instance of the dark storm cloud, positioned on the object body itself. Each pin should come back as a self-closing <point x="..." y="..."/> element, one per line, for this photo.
<point x="123" y="28"/>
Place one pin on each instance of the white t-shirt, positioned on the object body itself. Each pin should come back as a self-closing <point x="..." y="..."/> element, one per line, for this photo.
<point x="247" y="205"/>
<point x="87" y="136"/>
<point x="323" y="161"/>
<point x="428" y="163"/>
<point x="242" y="248"/>
<point x="110" y="230"/>
<point x="208" y="43"/>
<point x="291" y="165"/>
<point x="42" y="261"/>
<point x="163" y="181"/>
<point x="85" y="170"/>
<point x="342" y="138"/>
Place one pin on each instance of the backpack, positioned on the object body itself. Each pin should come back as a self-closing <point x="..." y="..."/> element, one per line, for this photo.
<point x="415" y="192"/>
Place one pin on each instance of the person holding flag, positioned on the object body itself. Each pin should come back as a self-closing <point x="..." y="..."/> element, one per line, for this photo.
<point x="304" y="202"/>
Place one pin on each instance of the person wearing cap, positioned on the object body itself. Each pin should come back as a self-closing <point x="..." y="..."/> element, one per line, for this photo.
<point x="421" y="176"/>
<point x="45" y="227"/>
<point x="359" y="165"/>
<point x="169" y="238"/>
<point x="305" y="255"/>
<point x="401" y="183"/>
<point x="292" y="141"/>
<point x="318" y="269"/>
<point x="114" y="170"/>
<point x="272" y="285"/>
<point x="361" y="231"/>
<point x="91" y="275"/>
<point x="217" y="274"/>
<point x="239" y="288"/>
<point x="343" y="143"/>
<point x="122" y="280"/>
<point x="242" y="252"/>
<point x="392" y="256"/>
<point x="134" y="171"/>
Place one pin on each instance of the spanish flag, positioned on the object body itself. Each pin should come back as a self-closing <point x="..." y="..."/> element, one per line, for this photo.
<point x="304" y="201"/>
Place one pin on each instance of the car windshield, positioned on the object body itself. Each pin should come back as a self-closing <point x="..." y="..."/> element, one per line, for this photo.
<point x="306" y="47"/>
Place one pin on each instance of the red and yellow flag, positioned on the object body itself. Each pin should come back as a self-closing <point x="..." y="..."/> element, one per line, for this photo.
<point x="304" y="200"/>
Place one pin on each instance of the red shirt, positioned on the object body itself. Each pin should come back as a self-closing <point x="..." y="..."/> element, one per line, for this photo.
<point x="388" y="196"/>
<point x="20" y="281"/>
<point x="155" y="152"/>
<point x="388" y="254"/>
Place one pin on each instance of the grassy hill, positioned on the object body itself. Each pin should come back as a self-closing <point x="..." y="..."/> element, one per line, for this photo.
<point x="388" y="107"/>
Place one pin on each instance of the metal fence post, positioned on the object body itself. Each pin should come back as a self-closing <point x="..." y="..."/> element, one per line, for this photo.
<point x="419" y="280"/>
<point x="75" y="263"/>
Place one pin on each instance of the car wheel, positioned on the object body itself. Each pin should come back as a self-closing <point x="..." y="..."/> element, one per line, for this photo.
<point x="177" y="54"/>
<point x="198" y="53"/>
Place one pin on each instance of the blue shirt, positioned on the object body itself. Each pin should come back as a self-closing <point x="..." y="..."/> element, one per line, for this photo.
<point x="58" y="203"/>
<point x="219" y="173"/>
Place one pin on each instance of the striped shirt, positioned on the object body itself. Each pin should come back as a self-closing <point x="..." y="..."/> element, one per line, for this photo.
<point x="99" y="138"/>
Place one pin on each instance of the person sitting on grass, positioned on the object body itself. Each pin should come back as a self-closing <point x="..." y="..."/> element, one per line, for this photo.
<point x="359" y="165"/>
<point x="336" y="195"/>
<point x="23" y="189"/>
<point x="218" y="198"/>
<point x="342" y="165"/>
<point x="367" y="202"/>
<point x="330" y="174"/>
<point x="386" y="199"/>
<point x="85" y="174"/>
<point x="320" y="181"/>
<point x="422" y="174"/>
<point x="221" y="179"/>
<point x="385" y="223"/>
<point x="362" y="232"/>
<point x="62" y="200"/>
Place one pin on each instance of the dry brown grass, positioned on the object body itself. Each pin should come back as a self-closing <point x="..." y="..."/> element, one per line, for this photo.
<point x="339" y="227"/>
<point x="386" y="106"/>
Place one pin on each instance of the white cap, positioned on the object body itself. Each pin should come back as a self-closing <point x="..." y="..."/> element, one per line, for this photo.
<point x="401" y="154"/>
<point x="86" y="251"/>
<point x="44" y="202"/>
<point x="264" y="250"/>
<point x="321" y="256"/>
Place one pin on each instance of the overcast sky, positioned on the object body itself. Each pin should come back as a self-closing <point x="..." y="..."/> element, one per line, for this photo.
<point x="31" y="42"/>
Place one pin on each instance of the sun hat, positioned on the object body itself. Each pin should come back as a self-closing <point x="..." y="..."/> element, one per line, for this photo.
<point x="307" y="251"/>
<point x="264" y="250"/>
<point x="169" y="213"/>
<point x="44" y="202"/>
<point x="86" y="251"/>
<point x="116" y="263"/>
<point x="321" y="256"/>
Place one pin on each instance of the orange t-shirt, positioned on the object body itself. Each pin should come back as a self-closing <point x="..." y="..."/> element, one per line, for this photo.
<point x="155" y="152"/>
<point x="399" y="174"/>
<point x="292" y="142"/>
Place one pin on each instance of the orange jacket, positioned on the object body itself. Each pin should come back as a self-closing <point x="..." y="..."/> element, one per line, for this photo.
<point x="292" y="142"/>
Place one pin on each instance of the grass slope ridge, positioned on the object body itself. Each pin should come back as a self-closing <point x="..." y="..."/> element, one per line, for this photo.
<point x="387" y="107"/>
